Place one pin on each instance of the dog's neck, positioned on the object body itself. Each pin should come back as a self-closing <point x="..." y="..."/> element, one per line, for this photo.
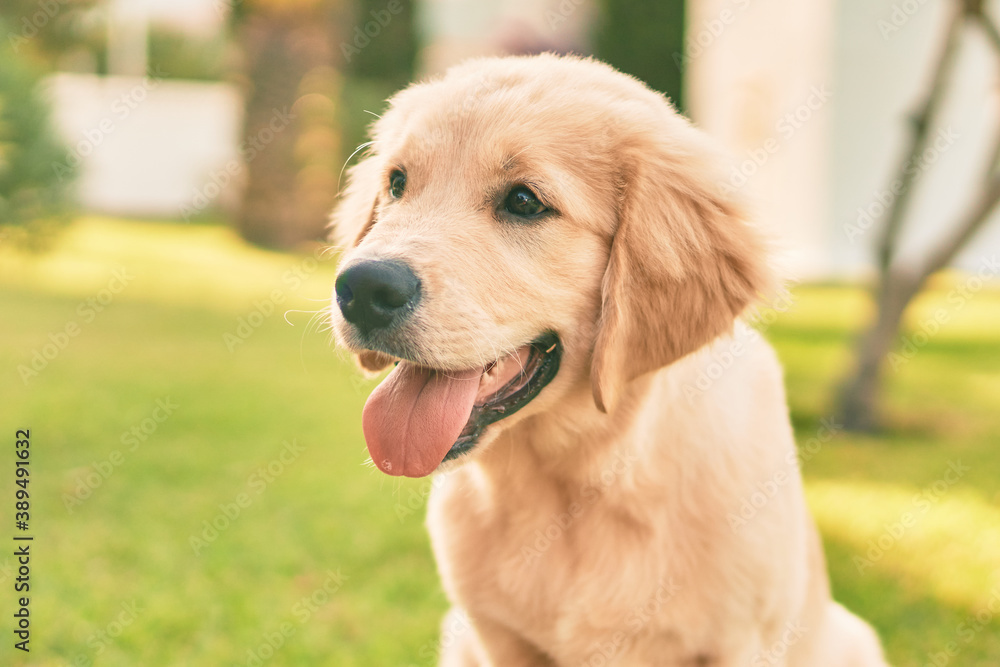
<point x="573" y="444"/>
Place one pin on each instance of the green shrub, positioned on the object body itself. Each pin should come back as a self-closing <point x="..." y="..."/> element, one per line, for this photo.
<point x="33" y="196"/>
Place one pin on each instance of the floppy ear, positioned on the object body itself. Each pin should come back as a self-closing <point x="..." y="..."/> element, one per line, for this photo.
<point x="684" y="264"/>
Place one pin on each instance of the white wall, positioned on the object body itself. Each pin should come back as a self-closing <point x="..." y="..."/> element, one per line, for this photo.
<point x="758" y="60"/>
<point x="146" y="146"/>
<point x="758" y="79"/>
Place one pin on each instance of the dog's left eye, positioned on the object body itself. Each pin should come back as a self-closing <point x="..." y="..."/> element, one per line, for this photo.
<point x="522" y="202"/>
<point x="397" y="183"/>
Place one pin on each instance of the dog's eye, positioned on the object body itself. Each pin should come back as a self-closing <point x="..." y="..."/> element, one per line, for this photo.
<point x="522" y="202"/>
<point x="397" y="183"/>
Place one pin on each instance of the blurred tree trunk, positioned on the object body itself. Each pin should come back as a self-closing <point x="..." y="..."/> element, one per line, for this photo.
<point x="899" y="283"/>
<point x="859" y="397"/>
<point x="292" y="143"/>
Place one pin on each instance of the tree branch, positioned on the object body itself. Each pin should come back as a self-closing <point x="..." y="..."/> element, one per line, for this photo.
<point x="993" y="164"/>
<point x="989" y="26"/>
<point x="989" y="198"/>
<point x="922" y="121"/>
<point x="899" y="282"/>
<point x="978" y="216"/>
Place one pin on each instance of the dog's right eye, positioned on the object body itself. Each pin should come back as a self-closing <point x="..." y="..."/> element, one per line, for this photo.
<point x="523" y="203"/>
<point x="397" y="183"/>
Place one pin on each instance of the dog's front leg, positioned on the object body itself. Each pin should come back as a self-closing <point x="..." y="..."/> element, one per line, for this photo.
<point x="485" y="643"/>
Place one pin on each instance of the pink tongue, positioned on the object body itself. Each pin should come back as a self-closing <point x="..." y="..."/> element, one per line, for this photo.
<point x="415" y="415"/>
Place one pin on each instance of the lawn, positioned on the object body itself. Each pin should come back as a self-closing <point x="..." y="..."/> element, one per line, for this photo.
<point x="200" y="494"/>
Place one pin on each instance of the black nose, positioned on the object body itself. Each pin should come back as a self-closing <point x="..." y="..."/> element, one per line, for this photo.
<point x="371" y="294"/>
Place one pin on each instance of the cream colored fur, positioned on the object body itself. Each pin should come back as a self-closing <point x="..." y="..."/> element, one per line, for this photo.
<point x="597" y="525"/>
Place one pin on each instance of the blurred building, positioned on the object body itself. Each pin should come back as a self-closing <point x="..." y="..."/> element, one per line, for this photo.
<point x="147" y="143"/>
<point x="148" y="146"/>
<point x="454" y="30"/>
<point x="811" y="99"/>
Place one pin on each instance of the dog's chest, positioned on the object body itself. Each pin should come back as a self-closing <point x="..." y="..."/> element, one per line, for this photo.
<point x="556" y="572"/>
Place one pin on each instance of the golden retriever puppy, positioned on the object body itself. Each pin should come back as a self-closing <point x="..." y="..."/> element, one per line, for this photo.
<point x="544" y="248"/>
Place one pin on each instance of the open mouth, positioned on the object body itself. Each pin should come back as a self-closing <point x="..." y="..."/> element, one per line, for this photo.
<point x="419" y="417"/>
<point x="534" y="372"/>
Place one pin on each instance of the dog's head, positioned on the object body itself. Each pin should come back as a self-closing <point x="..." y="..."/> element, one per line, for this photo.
<point x="517" y="228"/>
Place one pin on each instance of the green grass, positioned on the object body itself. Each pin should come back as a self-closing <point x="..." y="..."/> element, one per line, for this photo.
<point x="164" y="336"/>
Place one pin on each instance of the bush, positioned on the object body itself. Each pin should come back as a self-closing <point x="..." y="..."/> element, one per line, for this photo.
<point x="33" y="196"/>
